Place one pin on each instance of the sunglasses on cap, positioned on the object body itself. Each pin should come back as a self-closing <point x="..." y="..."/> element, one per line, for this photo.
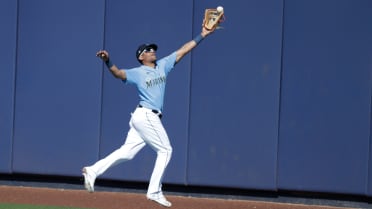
<point x="147" y="50"/>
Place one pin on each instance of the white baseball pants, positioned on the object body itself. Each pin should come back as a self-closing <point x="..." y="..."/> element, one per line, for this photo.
<point x="145" y="128"/>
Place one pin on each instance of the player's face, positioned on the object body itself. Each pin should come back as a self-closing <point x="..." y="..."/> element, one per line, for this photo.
<point x="149" y="55"/>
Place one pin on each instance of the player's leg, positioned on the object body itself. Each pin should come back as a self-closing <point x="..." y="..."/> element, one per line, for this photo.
<point x="127" y="151"/>
<point x="163" y="150"/>
<point x="133" y="144"/>
<point x="154" y="134"/>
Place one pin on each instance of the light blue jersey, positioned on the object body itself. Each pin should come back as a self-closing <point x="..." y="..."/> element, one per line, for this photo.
<point x="150" y="82"/>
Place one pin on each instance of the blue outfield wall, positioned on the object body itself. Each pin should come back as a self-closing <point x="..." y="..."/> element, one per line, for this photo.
<point x="280" y="99"/>
<point x="123" y="35"/>
<point x="8" y="43"/>
<point x="324" y="137"/>
<point x="58" y="93"/>
<point x="235" y="99"/>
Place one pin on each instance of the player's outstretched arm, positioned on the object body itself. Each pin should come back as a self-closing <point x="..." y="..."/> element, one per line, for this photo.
<point x="120" y="74"/>
<point x="186" y="48"/>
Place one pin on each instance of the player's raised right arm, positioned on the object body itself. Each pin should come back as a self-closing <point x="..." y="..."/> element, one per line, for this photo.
<point x="115" y="71"/>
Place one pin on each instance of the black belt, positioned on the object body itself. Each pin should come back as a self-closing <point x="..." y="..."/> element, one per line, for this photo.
<point x="154" y="111"/>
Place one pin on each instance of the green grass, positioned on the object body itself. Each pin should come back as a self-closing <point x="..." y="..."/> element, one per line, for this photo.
<point x="22" y="206"/>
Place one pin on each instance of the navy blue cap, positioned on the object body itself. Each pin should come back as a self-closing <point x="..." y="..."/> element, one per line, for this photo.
<point x="142" y="47"/>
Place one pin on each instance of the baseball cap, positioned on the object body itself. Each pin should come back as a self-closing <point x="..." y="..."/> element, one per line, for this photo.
<point x="142" y="47"/>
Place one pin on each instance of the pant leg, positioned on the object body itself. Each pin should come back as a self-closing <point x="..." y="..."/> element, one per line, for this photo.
<point x="133" y="144"/>
<point x="151" y="129"/>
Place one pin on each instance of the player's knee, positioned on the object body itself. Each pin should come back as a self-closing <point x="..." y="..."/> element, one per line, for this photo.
<point x="169" y="149"/>
<point x="166" y="150"/>
<point x="129" y="157"/>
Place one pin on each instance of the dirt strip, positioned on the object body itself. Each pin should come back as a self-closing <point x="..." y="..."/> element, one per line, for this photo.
<point x="121" y="200"/>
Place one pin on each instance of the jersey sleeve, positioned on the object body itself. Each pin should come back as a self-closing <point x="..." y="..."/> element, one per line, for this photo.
<point x="169" y="62"/>
<point x="131" y="76"/>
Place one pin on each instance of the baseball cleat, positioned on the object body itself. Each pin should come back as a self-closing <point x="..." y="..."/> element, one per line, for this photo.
<point x="89" y="178"/>
<point x="162" y="201"/>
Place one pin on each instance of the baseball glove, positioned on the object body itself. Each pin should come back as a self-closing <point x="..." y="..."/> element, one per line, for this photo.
<point x="212" y="18"/>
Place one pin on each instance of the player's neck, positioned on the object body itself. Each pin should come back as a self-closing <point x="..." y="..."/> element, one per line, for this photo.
<point x="150" y="64"/>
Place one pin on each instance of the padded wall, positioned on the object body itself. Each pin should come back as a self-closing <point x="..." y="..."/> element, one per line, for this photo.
<point x="58" y="94"/>
<point x="170" y="30"/>
<point x="325" y="96"/>
<point x="235" y="98"/>
<point x="369" y="184"/>
<point x="8" y="35"/>
<point x="279" y="99"/>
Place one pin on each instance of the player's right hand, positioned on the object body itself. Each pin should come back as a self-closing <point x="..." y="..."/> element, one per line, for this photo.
<point x="103" y="55"/>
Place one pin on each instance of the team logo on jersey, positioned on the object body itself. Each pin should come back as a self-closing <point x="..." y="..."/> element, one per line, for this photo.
<point x="155" y="81"/>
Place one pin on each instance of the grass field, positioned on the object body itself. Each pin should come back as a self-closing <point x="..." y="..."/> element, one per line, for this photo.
<point x="22" y="206"/>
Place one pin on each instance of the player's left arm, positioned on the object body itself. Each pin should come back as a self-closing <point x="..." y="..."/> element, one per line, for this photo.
<point x="186" y="48"/>
<point x="115" y="71"/>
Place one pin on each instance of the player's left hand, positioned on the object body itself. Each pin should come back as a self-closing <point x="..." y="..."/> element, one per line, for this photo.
<point x="103" y="55"/>
<point x="205" y="32"/>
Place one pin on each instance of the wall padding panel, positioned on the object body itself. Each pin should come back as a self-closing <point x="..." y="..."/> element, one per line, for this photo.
<point x="168" y="24"/>
<point x="58" y="94"/>
<point x="8" y="35"/>
<point x="235" y="98"/>
<point x="326" y="96"/>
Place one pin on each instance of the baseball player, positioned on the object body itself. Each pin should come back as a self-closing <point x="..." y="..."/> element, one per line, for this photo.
<point x="145" y="123"/>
